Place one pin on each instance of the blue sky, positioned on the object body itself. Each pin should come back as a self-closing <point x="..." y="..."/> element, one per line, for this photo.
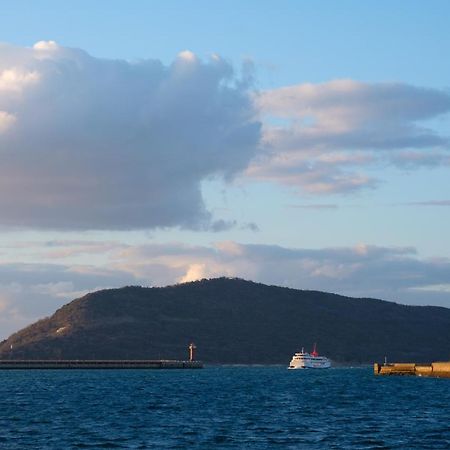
<point x="291" y="40"/>
<point x="327" y="169"/>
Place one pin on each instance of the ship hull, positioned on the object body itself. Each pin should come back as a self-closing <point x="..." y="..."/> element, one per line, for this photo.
<point x="326" y="365"/>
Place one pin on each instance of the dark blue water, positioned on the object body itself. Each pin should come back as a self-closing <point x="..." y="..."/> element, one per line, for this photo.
<point x="231" y="407"/>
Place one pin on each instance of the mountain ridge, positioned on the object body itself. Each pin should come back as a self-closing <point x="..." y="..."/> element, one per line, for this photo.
<point x="233" y="321"/>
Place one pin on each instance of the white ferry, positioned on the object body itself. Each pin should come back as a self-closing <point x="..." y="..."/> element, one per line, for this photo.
<point x="305" y="360"/>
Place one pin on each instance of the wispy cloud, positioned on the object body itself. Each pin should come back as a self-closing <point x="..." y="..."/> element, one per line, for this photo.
<point x="251" y="226"/>
<point x="430" y="203"/>
<point x="318" y="206"/>
<point x="323" y="137"/>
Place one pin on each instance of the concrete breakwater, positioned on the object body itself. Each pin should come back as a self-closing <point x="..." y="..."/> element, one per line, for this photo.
<point x="99" y="364"/>
<point x="435" y="369"/>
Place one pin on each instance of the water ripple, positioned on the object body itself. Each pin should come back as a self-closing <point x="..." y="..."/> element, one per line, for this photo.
<point x="222" y="408"/>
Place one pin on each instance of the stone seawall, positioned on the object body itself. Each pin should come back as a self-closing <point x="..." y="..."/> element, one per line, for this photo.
<point x="435" y="369"/>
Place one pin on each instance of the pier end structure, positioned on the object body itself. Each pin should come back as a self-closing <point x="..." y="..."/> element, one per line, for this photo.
<point x="435" y="369"/>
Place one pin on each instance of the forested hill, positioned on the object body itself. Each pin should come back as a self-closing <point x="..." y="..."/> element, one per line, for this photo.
<point x="233" y="321"/>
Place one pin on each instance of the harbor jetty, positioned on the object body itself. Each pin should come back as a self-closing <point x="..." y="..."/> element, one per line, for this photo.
<point x="99" y="364"/>
<point x="26" y="364"/>
<point x="435" y="369"/>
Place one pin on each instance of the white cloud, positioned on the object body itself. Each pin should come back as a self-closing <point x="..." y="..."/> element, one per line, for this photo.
<point x="6" y="121"/>
<point x="187" y="55"/>
<point x="194" y="272"/>
<point x="46" y="45"/>
<point x="15" y="81"/>
<point x="89" y="143"/>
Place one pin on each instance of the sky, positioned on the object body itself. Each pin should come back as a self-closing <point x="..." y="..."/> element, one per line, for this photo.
<point x="297" y="143"/>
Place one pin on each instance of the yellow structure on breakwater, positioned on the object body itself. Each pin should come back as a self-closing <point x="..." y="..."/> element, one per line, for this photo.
<point x="436" y="369"/>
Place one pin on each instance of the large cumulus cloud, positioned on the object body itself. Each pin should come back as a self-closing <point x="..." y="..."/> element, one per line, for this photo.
<point x="89" y="143"/>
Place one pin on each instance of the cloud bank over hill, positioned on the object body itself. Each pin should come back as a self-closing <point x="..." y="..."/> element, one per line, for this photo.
<point x="90" y="143"/>
<point x="33" y="290"/>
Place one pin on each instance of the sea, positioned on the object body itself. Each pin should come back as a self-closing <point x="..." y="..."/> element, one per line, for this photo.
<point x="222" y="408"/>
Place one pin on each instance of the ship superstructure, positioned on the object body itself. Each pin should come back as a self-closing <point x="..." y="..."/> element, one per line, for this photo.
<point x="305" y="360"/>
